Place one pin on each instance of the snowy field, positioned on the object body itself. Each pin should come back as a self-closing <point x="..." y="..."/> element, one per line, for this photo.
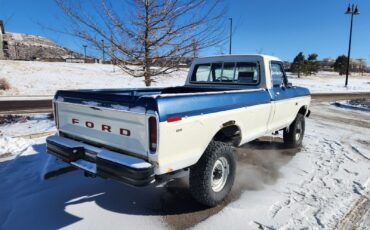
<point x="276" y="188"/>
<point x="40" y="78"/>
<point x="332" y="82"/>
<point x="43" y="78"/>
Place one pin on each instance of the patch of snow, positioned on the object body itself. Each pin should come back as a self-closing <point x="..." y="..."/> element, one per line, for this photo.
<point x="45" y="78"/>
<point x="60" y="99"/>
<point x="138" y="109"/>
<point x="120" y="107"/>
<point x="10" y="145"/>
<point x="36" y="124"/>
<point x="12" y="136"/>
<point x="91" y="103"/>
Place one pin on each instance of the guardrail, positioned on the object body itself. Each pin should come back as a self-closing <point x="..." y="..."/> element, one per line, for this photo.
<point x="18" y="105"/>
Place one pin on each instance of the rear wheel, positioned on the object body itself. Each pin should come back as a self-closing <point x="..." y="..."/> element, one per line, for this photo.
<point x="293" y="135"/>
<point x="212" y="178"/>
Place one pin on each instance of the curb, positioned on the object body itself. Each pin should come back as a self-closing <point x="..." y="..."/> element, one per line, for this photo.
<point x="338" y="104"/>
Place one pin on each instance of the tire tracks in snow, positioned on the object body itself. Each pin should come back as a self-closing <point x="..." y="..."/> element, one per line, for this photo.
<point x="334" y="169"/>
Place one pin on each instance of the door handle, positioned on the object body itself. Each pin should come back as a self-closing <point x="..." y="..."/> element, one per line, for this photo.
<point x="277" y="93"/>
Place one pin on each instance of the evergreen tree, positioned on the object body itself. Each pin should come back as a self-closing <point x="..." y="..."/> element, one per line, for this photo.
<point x="312" y="64"/>
<point x="340" y="64"/>
<point x="298" y="65"/>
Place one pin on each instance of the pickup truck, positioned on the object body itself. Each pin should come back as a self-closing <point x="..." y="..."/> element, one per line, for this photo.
<point x="142" y="136"/>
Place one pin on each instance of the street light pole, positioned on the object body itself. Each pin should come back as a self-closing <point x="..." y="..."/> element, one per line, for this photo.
<point x="231" y="34"/>
<point x="102" y="41"/>
<point x="353" y="11"/>
<point x="85" y="46"/>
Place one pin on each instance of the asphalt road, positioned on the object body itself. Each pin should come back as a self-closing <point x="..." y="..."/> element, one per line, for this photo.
<point x="15" y="105"/>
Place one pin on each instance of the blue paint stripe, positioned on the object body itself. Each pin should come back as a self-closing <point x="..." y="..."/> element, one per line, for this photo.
<point x="288" y="93"/>
<point x="194" y="105"/>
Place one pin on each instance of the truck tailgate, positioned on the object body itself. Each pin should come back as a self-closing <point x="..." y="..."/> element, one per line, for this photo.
<point x="108" y="127"/>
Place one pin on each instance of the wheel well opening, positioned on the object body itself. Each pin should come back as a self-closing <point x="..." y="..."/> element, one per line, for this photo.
<point x="229" y="134"/>
<point x="303" y="110"/>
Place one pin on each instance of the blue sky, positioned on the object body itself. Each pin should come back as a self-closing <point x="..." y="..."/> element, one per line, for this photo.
<point x="281" y="28"/>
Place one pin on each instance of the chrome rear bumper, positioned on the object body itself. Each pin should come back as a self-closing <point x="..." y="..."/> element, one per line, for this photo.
<point x="101" y="162"/>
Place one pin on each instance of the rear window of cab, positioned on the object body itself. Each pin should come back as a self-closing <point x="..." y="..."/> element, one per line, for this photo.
<point x="247" y="73"/>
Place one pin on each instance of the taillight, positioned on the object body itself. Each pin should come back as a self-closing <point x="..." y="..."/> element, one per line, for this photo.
<point x="152" y="134"/>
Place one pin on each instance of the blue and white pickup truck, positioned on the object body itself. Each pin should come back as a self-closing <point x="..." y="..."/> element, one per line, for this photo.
<point x="142" y="136"/>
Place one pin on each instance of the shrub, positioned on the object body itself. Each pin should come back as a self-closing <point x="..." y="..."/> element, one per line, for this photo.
<point x="4" y="84"/>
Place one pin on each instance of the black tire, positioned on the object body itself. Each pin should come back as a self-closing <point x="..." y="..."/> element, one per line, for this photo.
<point x="205" y="173"/>
<point x="293" y="135"/>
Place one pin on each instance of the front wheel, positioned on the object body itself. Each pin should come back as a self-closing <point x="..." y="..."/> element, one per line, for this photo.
<point x="212" y="178"/>
<point x="293" y="135"/>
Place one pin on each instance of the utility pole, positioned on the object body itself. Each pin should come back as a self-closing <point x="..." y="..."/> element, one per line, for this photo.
<point x="353" y="11"/>
<point x="231" y="34"/>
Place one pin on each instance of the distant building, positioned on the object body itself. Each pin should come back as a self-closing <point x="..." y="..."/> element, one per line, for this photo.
<point x="2" y="32"/>
<point x="358" y="65"/>
<point x="327" y="63"/>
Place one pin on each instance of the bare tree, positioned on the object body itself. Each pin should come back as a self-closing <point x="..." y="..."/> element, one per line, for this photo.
<point x="195" y="49"/>
<point x="153" y="34"/>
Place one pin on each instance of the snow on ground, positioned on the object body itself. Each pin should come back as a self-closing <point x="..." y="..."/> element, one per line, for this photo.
<point x="33" y="124"/>
<point x="332" y="82"/>
<point x="313" y="188"/>
<point x="44" y="78"/>
<point x="316" y="188"/>
<point x="13" y="137"/>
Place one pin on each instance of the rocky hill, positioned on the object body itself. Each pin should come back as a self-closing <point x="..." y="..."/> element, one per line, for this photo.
<point x="32" y="47"/>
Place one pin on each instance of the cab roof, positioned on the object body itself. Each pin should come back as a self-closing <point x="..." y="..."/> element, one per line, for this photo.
<point x="239" y="56"/>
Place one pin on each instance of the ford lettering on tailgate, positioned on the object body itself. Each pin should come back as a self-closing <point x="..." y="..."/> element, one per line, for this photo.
<point x="102" y="127"/>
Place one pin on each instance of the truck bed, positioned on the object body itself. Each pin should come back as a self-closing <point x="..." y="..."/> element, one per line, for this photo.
<point x="132" y="96"/>
<point x="84" y="113"/>
<point x="183" y="100"/>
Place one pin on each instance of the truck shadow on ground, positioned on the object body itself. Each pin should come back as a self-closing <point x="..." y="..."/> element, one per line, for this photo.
<point x="258" y="164"/>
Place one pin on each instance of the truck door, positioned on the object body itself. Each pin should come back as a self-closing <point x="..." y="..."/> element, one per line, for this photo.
<point x="282" y="97"/>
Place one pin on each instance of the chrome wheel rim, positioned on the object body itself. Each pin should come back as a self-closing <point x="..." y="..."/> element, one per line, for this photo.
<point x="220" y="173"/>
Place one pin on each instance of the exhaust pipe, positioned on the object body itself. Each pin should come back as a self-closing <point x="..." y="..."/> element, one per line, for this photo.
<point x="89" y="174"/>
